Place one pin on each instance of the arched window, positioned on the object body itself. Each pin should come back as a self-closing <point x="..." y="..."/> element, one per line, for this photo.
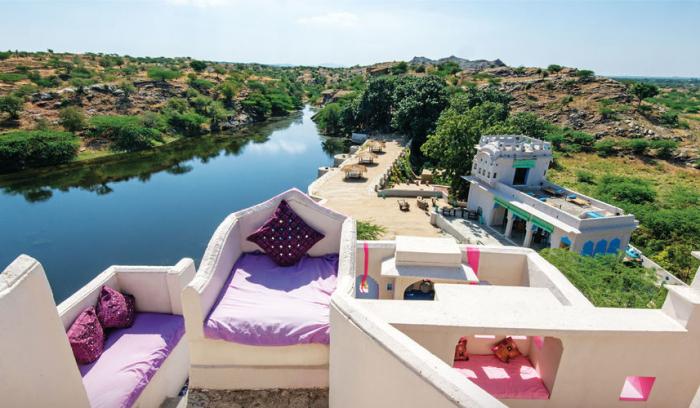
<point x="587" y="249"/>
<point x="614" y="246"/>
<point x="421" y="290"/>
<point x="600" y="247"/>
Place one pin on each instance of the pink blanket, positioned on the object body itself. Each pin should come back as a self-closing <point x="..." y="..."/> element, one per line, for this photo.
<point x="516" y="379"/>
<point x="263" y="304"/>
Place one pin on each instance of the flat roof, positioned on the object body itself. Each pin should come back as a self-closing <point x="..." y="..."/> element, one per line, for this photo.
<point x="517" y="310"/>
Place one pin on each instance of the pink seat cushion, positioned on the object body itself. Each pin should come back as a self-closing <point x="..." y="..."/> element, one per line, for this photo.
<point x="131" y="358"/>
<point x="264" y="304"/>
<point x="517" y="379"/>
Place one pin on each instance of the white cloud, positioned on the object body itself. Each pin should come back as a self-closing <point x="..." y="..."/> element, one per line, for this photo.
<point x="333" y="19"/>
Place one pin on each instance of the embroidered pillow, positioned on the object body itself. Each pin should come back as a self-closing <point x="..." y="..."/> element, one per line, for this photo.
<point x="114" y="309"/>
<point x="506" y="349"/>
<point x="285" y="237"/>
<point x="86" y="337"/>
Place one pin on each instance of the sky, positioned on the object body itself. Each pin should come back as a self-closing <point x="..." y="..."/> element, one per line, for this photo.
<point x="623" y="37"/>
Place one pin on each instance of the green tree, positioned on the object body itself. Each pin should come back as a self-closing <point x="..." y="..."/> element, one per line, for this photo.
<point x="198" y="66"/>
<point x="162" y="74"/>
<point x="643" y="90"/>
<point x="585" y="75"/>
<point x="400" y="68"/>
<point x="72" y="119"/>
<point x="329" y="120"/>
<point x="375" y="104"/>
<point x="451" y="147"/>
<point x="11" y="105"/>
<point x="554" y="68"/>
<point x="228" y="91"/>
<point x="418" y="102"/>
<point x="529" y="124"/>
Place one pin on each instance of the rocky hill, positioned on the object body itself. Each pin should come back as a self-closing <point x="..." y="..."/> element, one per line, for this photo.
<point x="464" y="64"/>
<point x="572" y="98"/>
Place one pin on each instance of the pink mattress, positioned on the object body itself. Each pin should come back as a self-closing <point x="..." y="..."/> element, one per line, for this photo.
<point x="514" y="380"/>
<point x="131" y="358"/>
<point x="263" y="304"/>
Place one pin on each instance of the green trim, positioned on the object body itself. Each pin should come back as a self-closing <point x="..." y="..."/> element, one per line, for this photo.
<point x="524" y="164"/>
<point x="544" y="225"/>
<point x="501" y="202"/>
<point x="520" y="213"/>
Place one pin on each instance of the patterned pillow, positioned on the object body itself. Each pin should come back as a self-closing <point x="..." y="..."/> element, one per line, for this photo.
<point x="114" y="309"/>
<point x="285" y="237"/>
<point x="506" y="349"/>
<point x="86" y="337"/>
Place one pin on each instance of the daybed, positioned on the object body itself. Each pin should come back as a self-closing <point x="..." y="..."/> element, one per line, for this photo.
<point x="252" y="324"/>
<point x="140" y="367"/>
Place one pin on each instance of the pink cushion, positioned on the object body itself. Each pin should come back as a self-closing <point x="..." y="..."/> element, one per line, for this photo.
<point x="517" y="379"/>
<point x="114" y="309"/>
<point x="285" y="237"/>
<point x="86" y="337"/>
<point x="131" y="358"/>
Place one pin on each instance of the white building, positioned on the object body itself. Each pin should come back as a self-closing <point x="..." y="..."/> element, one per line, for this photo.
<point x="510" y="191"/>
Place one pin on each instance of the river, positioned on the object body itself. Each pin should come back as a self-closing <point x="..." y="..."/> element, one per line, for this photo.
<point x="152" y="207"/>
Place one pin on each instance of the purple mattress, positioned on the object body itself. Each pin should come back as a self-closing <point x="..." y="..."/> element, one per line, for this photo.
<point x="131" y="358"/>
<point x="263" y="304"/>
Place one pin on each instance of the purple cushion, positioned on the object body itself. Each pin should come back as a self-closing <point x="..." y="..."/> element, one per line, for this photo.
<point x="285" y="237"/>
<point x="86" y="337"/>
<point x="131" y="358"/>
<point x="114" y="309"/>
<point x="264" y="304"/>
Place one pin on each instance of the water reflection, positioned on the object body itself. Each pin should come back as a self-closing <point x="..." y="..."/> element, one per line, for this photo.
<point x="37" y="185"/>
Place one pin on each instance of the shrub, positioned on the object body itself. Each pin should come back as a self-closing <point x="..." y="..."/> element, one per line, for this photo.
<point x="585" y="177"/>
<point x="202" y="85"/>
<point x="638" y="146"/>
<point x="606" y="281"/>
<point x="72" y="119"/>
<point x="400" y="68"/>
<point x="125" y="132"/>
<point x="11" y="105"/>
<point x="369" y="231"/>
<point x="420" y="68"/>
<point x="329" y="119"/>
<point x="5" y="55"/>
<point x="198" y="66"/>
<point x="554" y="68"/>
<point x="669" y="118"/>
<point x="257" y="105"/>
<point x="585" y="74"/>
<point x="187" y="123"/>
<point x="162" y="74"/>
<point x="11" y="76"/>
<point x="626" y="189"/>
<point x="664" y="147"/>
<point x="605" y="148"/>
<point x="20" y="149"/>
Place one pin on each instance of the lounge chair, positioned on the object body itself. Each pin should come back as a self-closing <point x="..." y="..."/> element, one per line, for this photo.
<point x="245" y="327"/>
<point x="140" y="367"/>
